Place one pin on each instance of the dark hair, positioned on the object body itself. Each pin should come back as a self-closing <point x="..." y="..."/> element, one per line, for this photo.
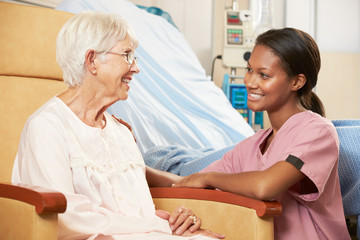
<point x="299" y="54"/>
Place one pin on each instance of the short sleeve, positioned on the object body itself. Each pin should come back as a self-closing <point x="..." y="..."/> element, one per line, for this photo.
<point x="317" y="149"/>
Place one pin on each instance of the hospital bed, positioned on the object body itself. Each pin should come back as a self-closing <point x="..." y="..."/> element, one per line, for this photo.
<point x="29" y="76"/>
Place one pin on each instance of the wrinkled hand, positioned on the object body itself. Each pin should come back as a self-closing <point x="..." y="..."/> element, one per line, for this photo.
<point x="196" y="180"/>
<point x="184" y="223"/>
<point x="180" y="220"/>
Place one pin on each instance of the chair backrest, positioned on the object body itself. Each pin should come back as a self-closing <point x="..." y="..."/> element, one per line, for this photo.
<point x="29" y="73"/>
<point x="349" y="165"/>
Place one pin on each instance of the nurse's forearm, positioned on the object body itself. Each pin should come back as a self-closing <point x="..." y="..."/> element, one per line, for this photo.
<point x="263" y="185"/>
<point x="247" y="184"/>
<point x="157" y="178"/>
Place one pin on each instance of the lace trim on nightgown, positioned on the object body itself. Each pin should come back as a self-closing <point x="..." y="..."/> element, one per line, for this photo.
<point x="104" y="167"/>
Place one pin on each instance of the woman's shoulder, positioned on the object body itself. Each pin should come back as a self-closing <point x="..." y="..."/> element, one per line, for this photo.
<point x="49" y="115"/>
<point x="309" y="119"/>
<point x="48" y="108"/>
<point x="310" y="124"/>
<point x="315" y="120"/>
<point x="45" y="122"/>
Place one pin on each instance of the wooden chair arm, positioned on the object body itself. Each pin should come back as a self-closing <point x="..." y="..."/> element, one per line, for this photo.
<point x="46" y="201"/>
<point x="262" y="208"/>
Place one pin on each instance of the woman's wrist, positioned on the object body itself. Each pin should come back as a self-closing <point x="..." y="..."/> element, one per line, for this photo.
<point x="209" y="179"/>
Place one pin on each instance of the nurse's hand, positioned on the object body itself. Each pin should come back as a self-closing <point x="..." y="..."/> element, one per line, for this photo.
<point x="196" y="180"/>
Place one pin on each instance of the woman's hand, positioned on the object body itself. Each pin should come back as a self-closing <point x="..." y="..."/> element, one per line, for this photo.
<point x="196" y="180"/>
<point x="183" y="219"/>
<point x="180" y="220"/>
<point x="184" y="223"/>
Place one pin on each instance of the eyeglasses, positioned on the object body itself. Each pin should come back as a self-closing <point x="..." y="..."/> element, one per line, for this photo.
<point x="129" y="57"/>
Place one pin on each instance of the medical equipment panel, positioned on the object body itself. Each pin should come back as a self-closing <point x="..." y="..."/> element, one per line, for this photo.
<point x="237" y="95"/>
<point x="238" y="38"/>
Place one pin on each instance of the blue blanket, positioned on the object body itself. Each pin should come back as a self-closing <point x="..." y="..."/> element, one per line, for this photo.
<point x="182" y="161"/>
<point x="172" y="158"/>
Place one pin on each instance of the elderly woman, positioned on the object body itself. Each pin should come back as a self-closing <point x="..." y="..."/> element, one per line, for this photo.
<point x="73" y="145"/>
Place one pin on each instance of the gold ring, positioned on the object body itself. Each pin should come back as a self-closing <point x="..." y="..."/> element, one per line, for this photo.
<point x="194" y="219"/>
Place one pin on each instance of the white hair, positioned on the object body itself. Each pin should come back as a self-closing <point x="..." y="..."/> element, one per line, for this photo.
<point x="88" y="30"/>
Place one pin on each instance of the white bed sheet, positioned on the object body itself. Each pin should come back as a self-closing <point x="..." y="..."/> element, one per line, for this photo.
<point x="171" y="100"/>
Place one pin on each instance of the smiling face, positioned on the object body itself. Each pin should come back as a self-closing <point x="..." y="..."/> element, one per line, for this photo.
<point x="115" y="73"/>
<point x="268" y="85"/>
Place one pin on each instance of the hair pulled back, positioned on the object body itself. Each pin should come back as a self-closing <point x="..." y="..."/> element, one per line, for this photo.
<point x="299" y="54"/>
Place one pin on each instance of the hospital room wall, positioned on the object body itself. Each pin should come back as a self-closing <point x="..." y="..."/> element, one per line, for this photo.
<point x="337" y="31"/>
<point x="339" y="78"/>
<point x="335" y="25"/>
<point x="201" y="22"/>
<point x="193" y="19"/>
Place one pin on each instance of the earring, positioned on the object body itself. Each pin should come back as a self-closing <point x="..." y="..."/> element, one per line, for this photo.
<point x="94" y="72"/>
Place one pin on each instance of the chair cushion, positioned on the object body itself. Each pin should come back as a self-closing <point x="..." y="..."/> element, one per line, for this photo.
<point x="20" y="98"/>
<point x="28" y="40"/>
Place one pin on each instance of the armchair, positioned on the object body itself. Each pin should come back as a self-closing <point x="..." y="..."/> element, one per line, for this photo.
<point x="29" y="76"/>
<point x="348" y="131"/>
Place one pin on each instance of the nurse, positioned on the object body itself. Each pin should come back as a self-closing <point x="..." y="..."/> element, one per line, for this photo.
<point x="295" y="161"/>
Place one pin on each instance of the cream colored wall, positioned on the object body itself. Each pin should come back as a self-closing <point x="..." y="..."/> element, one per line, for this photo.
<point x="339" y="84"/>
<point x="201" y="22"/>
<point x="339" y="42"/>
<point x="339" y="78"/>
<point x="193" y="19"/>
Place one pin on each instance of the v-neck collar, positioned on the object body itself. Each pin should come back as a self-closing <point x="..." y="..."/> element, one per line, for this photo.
<point x="267" y="133"/>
